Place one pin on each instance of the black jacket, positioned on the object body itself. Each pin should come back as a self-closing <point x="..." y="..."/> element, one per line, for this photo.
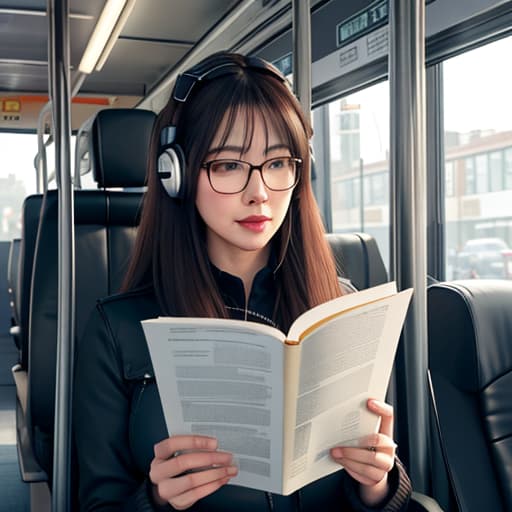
<point x="118" y="418"/>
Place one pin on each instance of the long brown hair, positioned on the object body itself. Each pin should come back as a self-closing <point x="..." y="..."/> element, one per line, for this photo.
<point x="170" y="251"/>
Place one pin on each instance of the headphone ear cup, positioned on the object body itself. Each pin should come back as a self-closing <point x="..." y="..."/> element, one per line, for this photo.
<point x="171" y="166"/>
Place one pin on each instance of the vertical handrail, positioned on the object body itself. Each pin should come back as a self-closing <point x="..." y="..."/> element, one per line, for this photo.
<point x="436" y="242"/>
<point x="302" y="53"/>
<point x="42" y="166"/>
<point x="77" y="177"/>
<point x="60" y="98"/>
<point x="322" y="147"/>
<point x="408" y="222"/>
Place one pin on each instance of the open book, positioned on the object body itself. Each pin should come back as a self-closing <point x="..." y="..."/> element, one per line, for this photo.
<point x="279" y="401"/>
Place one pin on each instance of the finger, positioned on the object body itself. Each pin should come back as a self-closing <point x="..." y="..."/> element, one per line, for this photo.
<point x="172" y="488"/>
<point x="197" y="460"/>
<point x="381" y="460"/>
<point x="187" y="499"/>
<point x="386" y="412"/>
<point x="168" y="447"/>
<point x="362" y="479"/>
<point x="377" y="441"/>
<point x="366" y="473"/>
<point x="176" y="466"/>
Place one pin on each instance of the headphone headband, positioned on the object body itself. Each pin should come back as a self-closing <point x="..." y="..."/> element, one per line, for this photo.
<point x="167" y="135"/>
<point x="187" y="80"/>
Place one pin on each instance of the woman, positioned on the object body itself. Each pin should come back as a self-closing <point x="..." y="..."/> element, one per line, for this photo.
<point x="230" y="228"/>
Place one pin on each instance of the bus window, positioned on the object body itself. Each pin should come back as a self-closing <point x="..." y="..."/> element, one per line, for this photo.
<point x="478" y="163"/>
<point x="17" y="179"/>
<point x="359" y="164"/>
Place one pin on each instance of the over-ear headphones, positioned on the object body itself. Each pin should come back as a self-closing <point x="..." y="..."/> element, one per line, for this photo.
<point x="171" y="163"/>
<point x="171" y="158"/>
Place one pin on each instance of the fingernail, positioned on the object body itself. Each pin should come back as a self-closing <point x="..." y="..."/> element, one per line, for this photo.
<point x="232" y="470"/>
<point x="337" y="453"/>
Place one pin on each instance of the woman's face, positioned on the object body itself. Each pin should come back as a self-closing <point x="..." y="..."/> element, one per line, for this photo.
<point x="242" y="223"/>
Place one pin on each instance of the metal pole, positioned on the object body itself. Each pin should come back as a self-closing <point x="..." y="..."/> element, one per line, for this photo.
<point x="408" y="223"/>
<point x="361" y="194"/>
<point x="302" y="53"/>
<point x="77" y="82"/>
<point x="436" y="238"/>
<point x="42" y="166"/>
<point x="322" y="151"/>
<point x="60" y="88"/>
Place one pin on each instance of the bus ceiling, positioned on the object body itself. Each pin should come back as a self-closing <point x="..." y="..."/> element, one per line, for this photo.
<point x="151" y="43"/>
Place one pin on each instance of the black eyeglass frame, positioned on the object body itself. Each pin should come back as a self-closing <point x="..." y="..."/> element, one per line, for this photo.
<point x="298" y="168"/>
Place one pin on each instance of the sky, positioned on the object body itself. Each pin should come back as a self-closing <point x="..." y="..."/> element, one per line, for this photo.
<point x="478" y="89"/>
<point x="17" y="152"/>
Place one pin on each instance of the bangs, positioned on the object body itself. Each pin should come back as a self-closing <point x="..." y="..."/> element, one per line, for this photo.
<point x="261" y="102"/>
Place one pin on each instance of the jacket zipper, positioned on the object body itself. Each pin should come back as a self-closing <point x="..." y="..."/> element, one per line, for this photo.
<point x="146" y="378"/>
<point x="270" y="501"/>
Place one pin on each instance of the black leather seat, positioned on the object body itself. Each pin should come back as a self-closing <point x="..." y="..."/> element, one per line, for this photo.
<point x="105" y="228"/>
<point x="13" y="267"/>
<point x="29" y="225"/>
<point x="470" y="374"/>
<point x="358" y="259"/>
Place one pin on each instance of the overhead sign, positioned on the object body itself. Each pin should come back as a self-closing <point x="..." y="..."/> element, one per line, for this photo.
<point x="364" y="21"/>
<point x="10" y="105"/>
<point x="10" y="117"/>
<point x="11" y="108"/>
<point x="374" y="16"/>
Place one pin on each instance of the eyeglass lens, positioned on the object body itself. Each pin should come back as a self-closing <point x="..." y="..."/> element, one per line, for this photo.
<point x="232" y="176"/>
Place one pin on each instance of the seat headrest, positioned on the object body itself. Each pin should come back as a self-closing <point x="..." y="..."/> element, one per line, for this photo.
<point x="470" y="328"/>
<point x="118" y="145"/>
<point x="358" y="258"/>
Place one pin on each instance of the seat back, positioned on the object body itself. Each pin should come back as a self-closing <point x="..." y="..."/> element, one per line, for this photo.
<point x="13" y="267"/>
<point x="105" y="228"/>
<point x="358" y="259"/>
<point x="29" y="225"/>
<point x="470" y="376"/>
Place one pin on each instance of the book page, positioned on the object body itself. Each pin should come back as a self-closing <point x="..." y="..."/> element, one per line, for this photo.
<point x="225" y="383"/>
<point x="336" y="306"/>
<point x="343" y="363"/>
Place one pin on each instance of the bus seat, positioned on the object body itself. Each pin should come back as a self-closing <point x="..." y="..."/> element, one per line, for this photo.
<point x="29" y="224"/>
<point x="358" y="259"/>
<point x="13" y="266"/>
<point x="105" y="227"/>
<point x="470" y="379"/>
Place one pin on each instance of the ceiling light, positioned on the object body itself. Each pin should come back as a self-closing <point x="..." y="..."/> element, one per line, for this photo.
<point x="101" y="35"/>
<point x="115" y="33"/>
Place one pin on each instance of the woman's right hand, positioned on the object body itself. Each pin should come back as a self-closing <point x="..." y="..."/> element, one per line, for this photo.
<point x="188" y="468"/>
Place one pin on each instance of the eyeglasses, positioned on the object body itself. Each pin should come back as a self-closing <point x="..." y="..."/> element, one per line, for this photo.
<point x="232" y="176"/>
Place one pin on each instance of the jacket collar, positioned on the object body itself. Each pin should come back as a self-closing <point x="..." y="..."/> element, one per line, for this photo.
<point x="261" y="297"/>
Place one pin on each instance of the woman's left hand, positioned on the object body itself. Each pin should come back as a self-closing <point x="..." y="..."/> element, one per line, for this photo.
<point x="373" y="460"/>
